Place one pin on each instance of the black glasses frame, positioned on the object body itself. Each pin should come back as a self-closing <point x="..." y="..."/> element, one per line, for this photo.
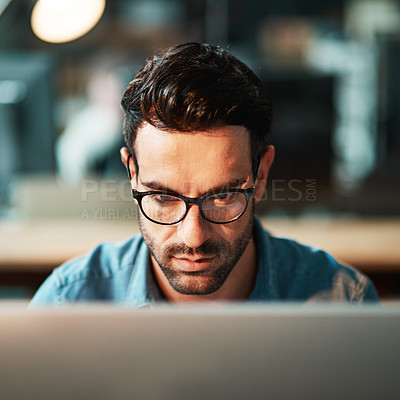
<point x="138" y="196"/>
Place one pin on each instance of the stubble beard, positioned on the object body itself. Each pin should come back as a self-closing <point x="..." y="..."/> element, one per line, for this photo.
<point x="206" y="281"/>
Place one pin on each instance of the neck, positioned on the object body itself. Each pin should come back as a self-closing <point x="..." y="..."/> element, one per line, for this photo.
<point x="237" y="286"/>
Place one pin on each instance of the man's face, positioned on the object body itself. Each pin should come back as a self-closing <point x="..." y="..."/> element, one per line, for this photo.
<point x="194" y="255"/>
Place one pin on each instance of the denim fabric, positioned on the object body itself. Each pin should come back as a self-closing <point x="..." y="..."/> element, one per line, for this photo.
<point x="287" y="271"/>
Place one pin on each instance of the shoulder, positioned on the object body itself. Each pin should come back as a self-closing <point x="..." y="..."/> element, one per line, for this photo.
<point x="104" y="261"/>
<point x="304" y="272"/>
<point x="101" y="274"/>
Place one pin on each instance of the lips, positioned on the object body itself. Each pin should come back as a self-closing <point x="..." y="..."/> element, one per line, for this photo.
<point x="192" y="264"/>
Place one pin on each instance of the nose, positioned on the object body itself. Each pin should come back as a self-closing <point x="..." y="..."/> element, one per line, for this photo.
<point x="193" y="230"/>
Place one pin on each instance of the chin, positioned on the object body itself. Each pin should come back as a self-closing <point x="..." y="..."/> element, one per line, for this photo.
<point x="199" y="287"/>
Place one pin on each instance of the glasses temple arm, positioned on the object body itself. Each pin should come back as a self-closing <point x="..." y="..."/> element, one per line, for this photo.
<point x="128" y="170"/>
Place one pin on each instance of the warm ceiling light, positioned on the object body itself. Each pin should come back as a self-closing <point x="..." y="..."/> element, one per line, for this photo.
<point x="58" y="21"/>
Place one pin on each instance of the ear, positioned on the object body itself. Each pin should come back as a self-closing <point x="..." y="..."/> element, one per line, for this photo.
<point x="266" y="160"/>
<point x="125" y="153"/>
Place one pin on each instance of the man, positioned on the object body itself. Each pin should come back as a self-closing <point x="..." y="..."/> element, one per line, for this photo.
<point x="197" y="125"/>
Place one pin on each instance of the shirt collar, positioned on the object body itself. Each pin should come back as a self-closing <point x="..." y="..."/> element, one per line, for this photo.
<point x="137" y="291"/>
<point x="265" y="287"/>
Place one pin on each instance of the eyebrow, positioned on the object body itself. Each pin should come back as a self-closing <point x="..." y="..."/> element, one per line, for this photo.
<point x="232" y="184"/>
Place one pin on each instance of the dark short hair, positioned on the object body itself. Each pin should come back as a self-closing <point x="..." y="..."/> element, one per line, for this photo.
<point x="197" y="87"/>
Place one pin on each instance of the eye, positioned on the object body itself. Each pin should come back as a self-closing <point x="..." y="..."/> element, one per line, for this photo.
<point x="223" y="198"/>
<point x="165" y="199"/>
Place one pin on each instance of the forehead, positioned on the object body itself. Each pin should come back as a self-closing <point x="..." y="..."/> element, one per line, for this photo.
<point x="208" y="158"/>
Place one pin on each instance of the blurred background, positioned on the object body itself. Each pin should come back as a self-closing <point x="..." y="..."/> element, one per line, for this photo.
<point x="330" y="68"/>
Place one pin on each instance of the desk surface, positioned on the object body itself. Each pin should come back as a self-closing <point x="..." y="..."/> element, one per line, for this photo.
<point x="372" y="245"/>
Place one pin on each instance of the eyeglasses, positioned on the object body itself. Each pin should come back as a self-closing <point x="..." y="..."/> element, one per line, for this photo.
<point x="167" y="208"/>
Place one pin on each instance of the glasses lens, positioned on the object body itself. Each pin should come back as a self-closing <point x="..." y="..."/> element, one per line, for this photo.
<point x="163" y="208"/>
<point x="224" y="207"/>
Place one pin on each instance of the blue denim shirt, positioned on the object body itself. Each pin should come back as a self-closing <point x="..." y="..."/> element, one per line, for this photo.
<point x="120" y="272"/>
